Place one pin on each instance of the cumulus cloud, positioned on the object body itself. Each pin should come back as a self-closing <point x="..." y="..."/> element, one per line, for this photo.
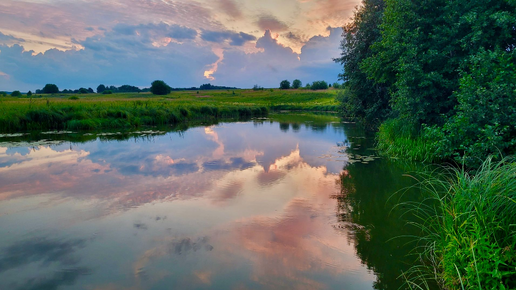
<point x="269" y="22"/>
<point x="125" y="55"/>
<point x="276" y="62"/>
<point x="234" y="38"/>
<point x="9" y="39"/>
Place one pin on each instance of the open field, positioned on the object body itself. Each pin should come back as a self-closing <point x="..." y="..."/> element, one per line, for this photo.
<point x="95" y="111"/>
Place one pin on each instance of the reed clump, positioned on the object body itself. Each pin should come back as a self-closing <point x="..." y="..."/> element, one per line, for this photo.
<point x="469" y="226"/>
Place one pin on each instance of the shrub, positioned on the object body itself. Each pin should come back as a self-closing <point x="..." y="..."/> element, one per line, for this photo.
<point x="257" y="88"/>
<point x="485" y="122"/>
<point x="16" y="94"/>
<point x="160" y="88"/>
<point x="29" y="94"/>
<point x="107" y="92"/>
<point x="73" y="98"/>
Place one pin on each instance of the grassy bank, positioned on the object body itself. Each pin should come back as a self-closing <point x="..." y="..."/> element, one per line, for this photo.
<point x="471" y="229"/>
<point x="95" y="111"/>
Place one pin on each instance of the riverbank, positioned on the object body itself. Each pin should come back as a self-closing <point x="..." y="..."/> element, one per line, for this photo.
<point x="131" y="110"/>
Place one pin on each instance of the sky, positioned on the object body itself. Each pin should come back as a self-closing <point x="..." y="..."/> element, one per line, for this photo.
<point x="240" y="43"/>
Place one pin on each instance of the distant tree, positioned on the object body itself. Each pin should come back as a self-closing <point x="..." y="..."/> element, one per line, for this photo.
<point x="329" y="85"/>
<point x="128" y="89"/>
<point x="160" y="88"/>
<point x="83" y="91"/>
<point x="257" y="88"/>
<point x="3" y="94"/>
<point x="29" y="94"/>
<point x="336" y="86"/>
<point x="16" y="94"/>
<point x="50" y="89"/>
<point x="38" y="91"/>
<point x="296" y="84"/>
<point x="308" y="86"/>
<point x="107" y="92"/>
<point x="101" y="88"/>
<point x="285" y="85"/>
<point x="319" y="85"/>
<point x="91" y="91"/>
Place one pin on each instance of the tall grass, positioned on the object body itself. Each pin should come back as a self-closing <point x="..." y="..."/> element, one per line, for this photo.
<point x="401" y="140"/>
<point x="132" y="110"/>
<point x="469" y="226"/>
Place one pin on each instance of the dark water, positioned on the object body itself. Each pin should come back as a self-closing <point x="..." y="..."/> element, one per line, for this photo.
<point x="290" y="202"/>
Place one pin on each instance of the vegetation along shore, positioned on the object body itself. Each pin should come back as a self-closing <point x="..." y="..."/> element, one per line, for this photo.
<point x="438" y="81"/>
<point x="126" y="110"/>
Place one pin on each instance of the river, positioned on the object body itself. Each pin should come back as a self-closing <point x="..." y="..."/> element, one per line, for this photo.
<point x="286" y="202"/>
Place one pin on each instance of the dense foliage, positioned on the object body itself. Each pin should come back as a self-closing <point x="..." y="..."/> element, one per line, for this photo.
<point x="50" y="89"/>
<point x="319" y="85"/>
<point x="442" y="69"/>
<point x="284" y="85"/>
<point x="363" y="99"/>
<point x="160" y="88"/>
<point x="296" y="84"/>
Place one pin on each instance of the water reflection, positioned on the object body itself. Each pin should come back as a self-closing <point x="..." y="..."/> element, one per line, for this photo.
<point x="263" y="204"/>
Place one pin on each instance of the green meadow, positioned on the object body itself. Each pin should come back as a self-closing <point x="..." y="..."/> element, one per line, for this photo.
<point x="131" y="110"/>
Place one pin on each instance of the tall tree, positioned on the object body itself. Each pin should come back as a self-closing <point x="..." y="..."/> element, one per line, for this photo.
<point x="364" y="99"/>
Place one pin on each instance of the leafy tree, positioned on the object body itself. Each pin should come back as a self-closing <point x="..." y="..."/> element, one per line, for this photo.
<point x="296" y="84"/>
<point x="308" y="86"/>
<point x="107" y="92"/>
<point x="336" y="86"/>
<point x="91" y="91"/>
<point x="319" y="85"/>
<point x="3" y="94"/>
<point x="16" y="94"/>
<point x="83" y="91"/>
<point x="257" y="88"/>
<point x="101" y="88"/>
<point x="160" y="88"/>
<point x="365" y="100"/>
<point x="50" y="89"/>
<point x="284" y="85"/>
<point x="29" y="94"/>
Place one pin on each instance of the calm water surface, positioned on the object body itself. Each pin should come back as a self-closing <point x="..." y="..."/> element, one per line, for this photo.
<point x="291" y="202"/>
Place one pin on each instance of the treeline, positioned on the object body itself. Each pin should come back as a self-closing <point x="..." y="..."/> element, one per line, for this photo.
<point x="103" y="89"/>
<point x="438" y="78"/>
<point x="297" y="84"/>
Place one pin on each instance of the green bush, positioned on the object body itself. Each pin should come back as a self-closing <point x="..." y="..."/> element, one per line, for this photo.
<point x="160" y="88"/>
<point x="107" y="92"/>
<point x="16" y="94"/>
<point x="485" y="122"/>
<point x="73" y="98"/>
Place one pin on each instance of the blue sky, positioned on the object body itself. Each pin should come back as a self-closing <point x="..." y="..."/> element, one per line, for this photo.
<point x="82" y="43"/>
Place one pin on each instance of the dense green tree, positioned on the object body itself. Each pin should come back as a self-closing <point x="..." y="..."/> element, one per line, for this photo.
<point x="160" y="88"/>
<point x="29" y="94"/>
<point x="50" y="89"/>
<point x="284" y="85"/>
<point x="83" y="91"/>
<point x="296" y="84"/>
<point x="319" y="85"/>
<point x="16" y="94"/>
<point x="365" y="99"/>
<point x="101" y="88"/>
